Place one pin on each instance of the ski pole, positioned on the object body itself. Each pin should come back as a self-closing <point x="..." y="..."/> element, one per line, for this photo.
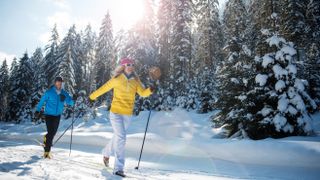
<point x="73" y="120"/>
<point x="71" y="134"/>
<point x="145" y="132"/>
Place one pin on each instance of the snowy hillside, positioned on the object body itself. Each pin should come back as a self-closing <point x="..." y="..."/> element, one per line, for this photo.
<point x="179" y="145"/>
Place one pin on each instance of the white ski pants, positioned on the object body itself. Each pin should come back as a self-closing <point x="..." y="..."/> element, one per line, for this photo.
<point x="116" y="146"/>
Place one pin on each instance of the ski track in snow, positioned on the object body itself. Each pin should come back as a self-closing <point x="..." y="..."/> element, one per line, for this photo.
<point x="179" y="145"/>
<point x="23" y="160"/>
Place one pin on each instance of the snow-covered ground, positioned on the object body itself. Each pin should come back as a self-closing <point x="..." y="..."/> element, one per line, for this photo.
<point x="179" y="145"/>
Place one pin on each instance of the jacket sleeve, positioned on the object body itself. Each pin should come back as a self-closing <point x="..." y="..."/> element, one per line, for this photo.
<point x="143" y="92"/>
<point x="69" y="100"/>
<point x="43" y="99"/>
<point x="103" y="89"/>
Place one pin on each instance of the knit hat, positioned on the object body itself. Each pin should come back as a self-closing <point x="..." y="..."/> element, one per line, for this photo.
<point x="125" y="61"/>
<point x="58" y="78"/>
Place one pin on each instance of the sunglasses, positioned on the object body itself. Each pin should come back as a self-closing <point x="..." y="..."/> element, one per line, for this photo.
<point x="130" y="65"/>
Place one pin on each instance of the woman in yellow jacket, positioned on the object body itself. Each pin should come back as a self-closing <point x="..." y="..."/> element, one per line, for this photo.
<point x="125" y="85"/>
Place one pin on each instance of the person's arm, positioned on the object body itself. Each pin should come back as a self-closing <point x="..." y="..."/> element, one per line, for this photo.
<point x="43" y="99"/>
<point x="103" y="89"/>
<point x="143" y="92"/>
<point x="69" y="100"/>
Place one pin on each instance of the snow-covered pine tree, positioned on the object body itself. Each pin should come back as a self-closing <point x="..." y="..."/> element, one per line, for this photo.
<point x="39" y="80"/>
<point x="88" y="50"/>
<point x="50" y="60"/>
<point x="180" y="61"/>
<point x="165" y="101"/>
<point x="164" y="26"/>
<point x="312" y="64"/>
<point x="293" y="25"/>
<point x="260" y="15"/>
<point x="312" y="67"/>
<point x="209" y="44"/>
<point x="79" y="63"/>
<point x="253" y="25"/>
<point x="21" y="88"/>
<point x="234" y="74"/>
<point x="67" y="57"/>
<point x="81" y="106"/>
<point x="234" y="19"/>
<point x="4" y="89"/>
<point x="281" y="97"/>
<point x="105" y="62"/>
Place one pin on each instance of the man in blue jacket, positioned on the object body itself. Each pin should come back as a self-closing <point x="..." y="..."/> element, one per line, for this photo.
<point x="54" y="100"/>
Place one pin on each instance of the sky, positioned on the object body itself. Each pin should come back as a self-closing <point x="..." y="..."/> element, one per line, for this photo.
<point x="26" y="24"/>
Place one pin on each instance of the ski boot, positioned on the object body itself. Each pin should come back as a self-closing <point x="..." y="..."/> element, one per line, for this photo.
<point x="47" y="155"/>
<point x="106" y="161"/>
<point x="120" y="173"/>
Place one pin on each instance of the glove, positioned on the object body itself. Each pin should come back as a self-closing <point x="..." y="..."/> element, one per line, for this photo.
<point x="74" y="97"/>
<point x="153" y="86"/>
<point x="37" y="114"/>
<point x="62" y="97"/>
<point x="155" y="73"/>
<point x="91" y="102"/>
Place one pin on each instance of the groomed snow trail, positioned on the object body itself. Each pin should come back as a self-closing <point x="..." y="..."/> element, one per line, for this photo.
<point x="179" y="145"/>
<point x="21" y="160"/>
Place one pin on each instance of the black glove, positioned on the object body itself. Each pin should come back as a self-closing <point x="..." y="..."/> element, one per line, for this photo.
<point x="37" y="114"/>
<point x="62" y="97"/>
<point x="91" y="102"/>
<point x="74" y="97"/>
<point x="153" y="86"/>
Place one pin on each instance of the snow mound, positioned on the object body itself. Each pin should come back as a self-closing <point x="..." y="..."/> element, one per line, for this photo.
<point x="261" y="79"/>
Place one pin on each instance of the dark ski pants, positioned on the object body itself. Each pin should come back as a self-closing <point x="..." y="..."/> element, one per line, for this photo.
<point x="52" y="123"/>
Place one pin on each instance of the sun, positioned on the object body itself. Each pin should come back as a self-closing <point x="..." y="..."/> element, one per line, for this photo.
<point x="125" y="13"/>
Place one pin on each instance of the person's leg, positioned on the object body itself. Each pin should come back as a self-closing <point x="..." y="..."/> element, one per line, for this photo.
<point x="108" y="150"/>
<point x="55" y="126"/>
<point x="127" y="121"/>
<point x="119" y="130"/>
<point x="49" y="124"/>
<point x="52" y="123"/>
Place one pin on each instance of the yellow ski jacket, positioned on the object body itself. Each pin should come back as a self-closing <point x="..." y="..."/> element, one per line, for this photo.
<point x="124" y="91"/>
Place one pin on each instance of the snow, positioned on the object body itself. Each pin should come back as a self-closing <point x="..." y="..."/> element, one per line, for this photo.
<point x="279" y="72"/>
<point x="179" y="145"/>
<point x="289" y="50"/>
<point x="266" y="111"/>
<point x="283" y="103"/>
<point x="292" y="69"/>
<point x="266" y="60"/>
<point x="242" y="97"/>
<point x="246" y="50"/>
<point x="280" y="85"/>
<point x="292" y="110"/>
<point x="261" y="79"/>
<point x="235" y="80"/>
<point x="298" y="102"/>
<point x="299" y="85"/>
<point x="279" y="121"/>
<point x="305" y="121"/>
<point x="275" y="40"/>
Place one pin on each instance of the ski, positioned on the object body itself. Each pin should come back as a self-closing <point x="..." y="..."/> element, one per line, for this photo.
<point x="39" y="143"/>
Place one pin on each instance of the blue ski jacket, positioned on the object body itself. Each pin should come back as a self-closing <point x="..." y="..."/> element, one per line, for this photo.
<point x="54" y="104"/>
